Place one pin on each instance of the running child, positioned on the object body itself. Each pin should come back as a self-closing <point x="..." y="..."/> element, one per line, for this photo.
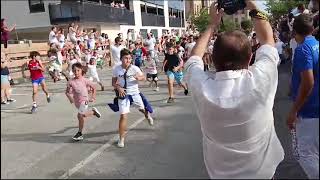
<point x="36" y="73"/>
<point x="151" y="70"/>
<point x="77" y="93"/>
<point x="93" y="74"/>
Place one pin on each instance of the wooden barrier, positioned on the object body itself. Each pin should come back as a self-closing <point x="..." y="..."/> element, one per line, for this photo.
<point x="18" y="55"/>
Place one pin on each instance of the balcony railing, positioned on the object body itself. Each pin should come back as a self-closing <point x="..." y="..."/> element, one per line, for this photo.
<point x="176" y="22"/>
<point x="87" y="12"/>
<point x="152" y="20"/>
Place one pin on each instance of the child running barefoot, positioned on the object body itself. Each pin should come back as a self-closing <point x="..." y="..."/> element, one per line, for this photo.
<point x="77" y="93"/>
<point x="151" y="70"/>
<point x="36" y="73"/>
<point x="93" y="74"/>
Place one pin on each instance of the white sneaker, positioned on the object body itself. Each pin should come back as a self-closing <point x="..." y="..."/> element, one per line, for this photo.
<point x="156" y="89"/>
<point x="150" y="120"/>
<point x="120" y="143"/>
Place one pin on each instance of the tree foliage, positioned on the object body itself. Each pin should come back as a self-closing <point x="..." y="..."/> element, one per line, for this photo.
<point x="246" y="26"/>
<point x="201" y="20"/>
<point x="278" y="8"/>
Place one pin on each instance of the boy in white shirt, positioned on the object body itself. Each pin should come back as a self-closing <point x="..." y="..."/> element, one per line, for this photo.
<point x="125" y="79"/>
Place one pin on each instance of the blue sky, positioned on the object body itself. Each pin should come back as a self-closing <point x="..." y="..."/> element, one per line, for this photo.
<point x="260" y="4"/>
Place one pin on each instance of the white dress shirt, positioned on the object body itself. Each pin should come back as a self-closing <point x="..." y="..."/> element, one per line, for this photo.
<point x="236" y="117"/>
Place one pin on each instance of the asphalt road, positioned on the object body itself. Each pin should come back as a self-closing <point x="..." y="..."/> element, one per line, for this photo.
<point x="40" y="145"/>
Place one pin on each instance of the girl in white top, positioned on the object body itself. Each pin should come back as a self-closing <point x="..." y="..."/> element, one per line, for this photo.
<point x="72" y="33"/>
<point x="93" y="74"/>
<point x="61" y="38"/>
<point x="52" y="35"/>
<point x="73" y="58"/>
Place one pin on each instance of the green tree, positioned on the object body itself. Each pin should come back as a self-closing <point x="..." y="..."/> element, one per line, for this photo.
<point x="201" y="20"/>
<point x="278" y="8"/>
<point x="246" y="26"/>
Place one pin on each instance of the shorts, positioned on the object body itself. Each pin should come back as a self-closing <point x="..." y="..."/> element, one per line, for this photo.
<point x="154" y="77"/>
<point x="124" y="105"/>
<point x="83" y="108"/>
<point x="178" y="76"/>
<point x="38" y="81"/>
<point x="5" y="79"/>
<point x="95" y="77"/>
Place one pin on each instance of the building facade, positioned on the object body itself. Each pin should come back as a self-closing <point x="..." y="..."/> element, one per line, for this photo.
<point x="35" y="17"/>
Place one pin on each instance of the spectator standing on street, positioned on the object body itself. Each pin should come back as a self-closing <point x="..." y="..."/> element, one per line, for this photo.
<point x="5" y="83"/>
<point x="53" y="36"/>
<point x="304" y="114"/>
<point x="5" y="32"/>
<point x="234" y="105"/>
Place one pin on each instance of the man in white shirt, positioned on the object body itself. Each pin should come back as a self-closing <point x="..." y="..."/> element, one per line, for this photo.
<point x="125" y="77"/>
<point x="189" y="46"/>
<point x="115" y="51"/>
<point x="150" y="43"/>
<point x="52" y="35"/>
<point x="234" y="105"/>
<point x="279" y="46"/>
<point x="293" y="45"/>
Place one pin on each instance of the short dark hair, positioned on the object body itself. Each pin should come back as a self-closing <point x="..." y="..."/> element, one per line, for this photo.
<point x="228" y="55"/>
<point x="170" y="45"/>
<point x="124" y="52"/>
<point x="33" y="54"/>
<point x="53" y="27"/>
<point x="78" y="65"/>
<point x="117" y="39"/>
<point x="303" y="24"/>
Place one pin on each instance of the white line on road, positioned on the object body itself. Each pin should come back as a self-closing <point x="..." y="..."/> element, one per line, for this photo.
<point x="14" y="109"/>
<point x="96" y="153"/>
<point x="21" y="94"/>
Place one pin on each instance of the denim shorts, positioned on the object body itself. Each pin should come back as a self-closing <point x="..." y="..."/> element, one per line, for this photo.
<point x="38" y="81"/>
<point x="178" y="76"/>
<point x="5" y="79"/>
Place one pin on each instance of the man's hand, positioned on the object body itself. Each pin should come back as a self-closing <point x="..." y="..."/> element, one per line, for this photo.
<point x="215" y="15"/>
<point x="121" y="91"/>
<point x="292" y="119"/>
<point x="250" y="4"/>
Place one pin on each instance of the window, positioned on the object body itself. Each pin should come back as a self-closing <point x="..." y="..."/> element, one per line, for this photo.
<point x="36" y="6"/>
<point x="160" y="12"/>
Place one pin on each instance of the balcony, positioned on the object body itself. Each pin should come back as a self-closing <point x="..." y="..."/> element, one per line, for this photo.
<point x="176" y="22"/>
<point x="152" y="20"/>
<point x="85" y="12"/>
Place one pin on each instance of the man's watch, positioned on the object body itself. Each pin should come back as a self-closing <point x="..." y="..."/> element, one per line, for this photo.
<point x="254" y="13"/>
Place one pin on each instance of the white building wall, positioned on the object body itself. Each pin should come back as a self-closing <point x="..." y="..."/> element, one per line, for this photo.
<point x="18" y="12"/>
<point x="166" y="13"/>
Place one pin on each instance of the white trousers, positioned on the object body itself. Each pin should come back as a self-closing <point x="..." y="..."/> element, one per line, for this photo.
<point x="307" y="130"/>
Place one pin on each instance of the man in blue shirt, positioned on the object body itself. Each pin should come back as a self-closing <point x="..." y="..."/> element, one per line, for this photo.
<point x="304" y="114"/>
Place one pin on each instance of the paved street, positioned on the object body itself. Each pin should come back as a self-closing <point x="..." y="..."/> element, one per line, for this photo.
<point x="40" y="145"/>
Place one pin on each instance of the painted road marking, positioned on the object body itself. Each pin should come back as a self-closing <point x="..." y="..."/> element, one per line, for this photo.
<point x="14" y="109"/>
<point x="96" y="153"/>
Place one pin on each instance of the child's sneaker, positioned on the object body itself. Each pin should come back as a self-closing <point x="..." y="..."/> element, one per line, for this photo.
<point x="96" y="112"/>
<point x="186" y="92"/>
<point x="11" y="100"/>
<point x="170" y="100"/>
<point x="5" y="102"/>
<point x="78" y="136"/>
<point x="120" y="143"/>
<point x="33" y="109"/>
<point x="156" y="89"/>
<point x="48" y="99"/>
<point x="150" y="120"/>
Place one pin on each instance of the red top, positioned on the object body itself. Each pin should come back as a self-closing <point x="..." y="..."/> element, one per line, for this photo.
<point x="144" y="51"/>
<point x="35" y="73"/>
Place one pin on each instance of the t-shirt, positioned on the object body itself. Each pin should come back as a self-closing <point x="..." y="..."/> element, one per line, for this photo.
<point x="116" y="53"/>
<point x="307" y="58"/>
<point x="151" y="67"/>
<point x="92" y="70"/>
<point x="132" y="83"/>
<point x="279" y="46"/>
<point x="150" y="43"/>
<point x="52" y="37"/>
<point x="138" y="55"/>
<point x="79" y="89"/>
<point x="293" y="46"/>
<point x="35" y="72"/>
<point x="189" y="48"/>
<point x="172" y="61"/>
